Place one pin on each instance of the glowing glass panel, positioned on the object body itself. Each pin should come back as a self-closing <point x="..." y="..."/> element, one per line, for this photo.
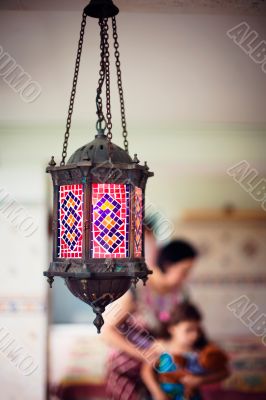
<point x="110" y="221"/>
<point x="137" y="221"/>
<point x="70" y="221"/>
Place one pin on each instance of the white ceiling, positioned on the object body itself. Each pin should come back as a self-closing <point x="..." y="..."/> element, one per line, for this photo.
<point x="240" y="7"/>
<point x="176" y="68"/>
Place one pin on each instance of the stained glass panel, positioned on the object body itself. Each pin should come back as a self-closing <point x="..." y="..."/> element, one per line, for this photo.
<point x="137" y="220"/>
<point x="70" y="224"/>
<point x="110" y="221"/>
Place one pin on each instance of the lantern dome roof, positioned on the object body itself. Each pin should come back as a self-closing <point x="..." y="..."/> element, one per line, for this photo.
<point x="100" y="151"/>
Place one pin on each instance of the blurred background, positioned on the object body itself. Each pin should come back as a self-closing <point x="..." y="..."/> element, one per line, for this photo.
<point x="196" y="108"/>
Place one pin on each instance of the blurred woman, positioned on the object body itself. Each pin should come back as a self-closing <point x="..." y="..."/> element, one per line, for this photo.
<point x="136" y="318"/>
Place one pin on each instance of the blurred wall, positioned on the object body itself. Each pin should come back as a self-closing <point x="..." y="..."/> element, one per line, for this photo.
<point x="196" y="106"/>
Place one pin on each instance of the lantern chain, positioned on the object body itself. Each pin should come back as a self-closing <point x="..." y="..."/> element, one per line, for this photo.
<point x="119" y="82"/>
<point x="99" y="103"/>
<point x="107" y="77"/>
<point x="104" y="75"/>
<point x="74" y="88"/>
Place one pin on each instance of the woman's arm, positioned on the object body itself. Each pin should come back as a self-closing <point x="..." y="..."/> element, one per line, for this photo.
<point x="148" y="376"/>
<point x="117" y="313"/>
<point x="194" y="381"/>
<point x="215" y="377"/>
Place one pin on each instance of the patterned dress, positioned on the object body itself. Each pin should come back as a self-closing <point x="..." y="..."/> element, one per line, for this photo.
<point x="123" y="371"/>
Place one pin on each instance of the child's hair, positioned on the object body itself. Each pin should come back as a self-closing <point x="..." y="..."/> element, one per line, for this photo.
<point x="184" y="312"/>
<point x="175" y="251"/>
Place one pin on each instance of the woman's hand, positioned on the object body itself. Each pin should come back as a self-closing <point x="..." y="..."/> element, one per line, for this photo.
<point x="191" y="384"/>
<point x="149" y="378"/>
<point x="160" y="395"/>
<point x="191" y="381"/>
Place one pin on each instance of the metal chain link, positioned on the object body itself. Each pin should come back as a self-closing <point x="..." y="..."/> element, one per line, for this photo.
<point x="109" y="124"/>
<point x="104" y="75"/>
<point x="119" y="82"/>
<point x="99" y="103"/>
<point x="74" y="88"/>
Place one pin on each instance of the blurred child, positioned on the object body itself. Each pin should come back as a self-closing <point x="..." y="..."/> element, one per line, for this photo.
<point x="188" y="362"/>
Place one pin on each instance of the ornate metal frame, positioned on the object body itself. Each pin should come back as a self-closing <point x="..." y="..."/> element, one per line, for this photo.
<point x="98" y="281"/>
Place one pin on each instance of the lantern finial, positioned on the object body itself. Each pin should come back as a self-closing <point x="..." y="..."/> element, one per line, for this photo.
<point x="98" y="321"/>
<point x="52" y="162"/>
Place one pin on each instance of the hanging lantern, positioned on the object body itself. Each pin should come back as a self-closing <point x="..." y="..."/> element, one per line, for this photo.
<point x="99" y="195"/>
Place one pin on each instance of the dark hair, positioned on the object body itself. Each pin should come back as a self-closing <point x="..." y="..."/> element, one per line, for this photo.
<point x="184" y="312"/>
<point x="175" y="251"/>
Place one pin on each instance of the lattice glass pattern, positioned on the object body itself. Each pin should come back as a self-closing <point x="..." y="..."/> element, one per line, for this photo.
<point x="137" y="221"/>
<point x="110" y="221"/>
<point x="70" y="221"/>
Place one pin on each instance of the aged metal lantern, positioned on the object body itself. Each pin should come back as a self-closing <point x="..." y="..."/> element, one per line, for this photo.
<point x="99" y="196"/>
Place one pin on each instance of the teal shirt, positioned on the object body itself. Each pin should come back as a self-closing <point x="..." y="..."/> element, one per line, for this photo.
<point x="175" y="391"/>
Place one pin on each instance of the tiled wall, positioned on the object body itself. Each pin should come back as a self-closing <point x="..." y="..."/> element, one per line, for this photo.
<point x="23" y="319"/>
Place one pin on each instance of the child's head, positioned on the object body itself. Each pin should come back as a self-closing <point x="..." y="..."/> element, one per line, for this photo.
<point x="176" y="260"/>
<point x="185" y="327"/>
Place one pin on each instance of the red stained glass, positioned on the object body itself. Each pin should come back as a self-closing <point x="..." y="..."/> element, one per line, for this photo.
<point x="110" y="221"/>
<point x="70" y="221"/>
<point x="137" y="221"/>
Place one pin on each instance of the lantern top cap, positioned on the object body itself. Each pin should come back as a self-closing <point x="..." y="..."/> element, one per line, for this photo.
<point x="100" y="150"/>
<point x="101" y="9"/>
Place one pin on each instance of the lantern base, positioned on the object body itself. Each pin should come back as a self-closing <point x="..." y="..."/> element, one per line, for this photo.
<point x="98" y="293"/>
